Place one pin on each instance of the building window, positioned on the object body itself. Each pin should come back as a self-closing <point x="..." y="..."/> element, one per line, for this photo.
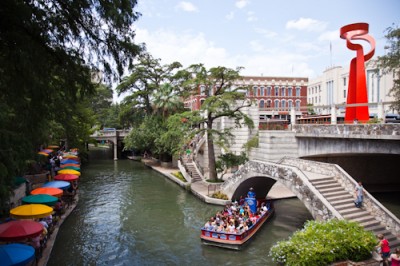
<point x="283" y="104"/>
<point x="344" y="81"/>
<point x="276" y="91"/>
<point x="298" y="91"/>
<point x="319" y="87"/>
<point x="290" y="105"/>
<point x="261" y="91"/>
<point x="268" y="103"/>
<point x="298" y="105"/>
<point x="202" y="90"/>
<point x="201" y="102"/>
<point x="262" y="104"/>
<point x="344" y="93"/>
<point x="268" y="91"/>
<point x="255" y="89"/>
<point x="210" y="90"/>
<point x="276" y="103"/>
<point x="283" y="91"/>
<point x="290" y="94"/>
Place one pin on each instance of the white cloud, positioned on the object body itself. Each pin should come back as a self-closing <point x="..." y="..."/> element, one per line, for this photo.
<point x="241" y="3"/>
<point x="189" y="48"/>
<point x="251" y="16"/>
<point x="307" y="24"/>
<point x="186" y="6"/>
<point x="266" y="33"/>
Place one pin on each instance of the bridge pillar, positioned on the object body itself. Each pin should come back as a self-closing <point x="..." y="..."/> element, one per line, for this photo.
<point x="116" y="148"/>
<point x="333" y="115"/>
<point x="292" y="116"/>
<point x="381" y="112"/>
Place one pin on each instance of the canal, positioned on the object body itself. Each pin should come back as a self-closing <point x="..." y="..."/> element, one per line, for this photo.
<point x="129" y="214"/>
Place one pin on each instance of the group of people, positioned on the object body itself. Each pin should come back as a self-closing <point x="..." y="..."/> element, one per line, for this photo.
<point x="235" y="218"/>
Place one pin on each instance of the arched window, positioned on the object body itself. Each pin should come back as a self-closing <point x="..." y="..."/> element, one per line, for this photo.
<point x="202" y="90"/>
<point x="290" y="91"/>
<point x="276" y="103"/>
<point x="290" y="105"/>
<point x="261" y="91"/>
<point x="255" y="91"/>
<point x="283" y="102"/>
<point x="283" y="91"/>
<point x="298" y="91"/>
<point x="269" y="91"/>
<point x="276" y="91"/>
<point x="269" y="103"/>
<point x="262" y="104"/>
<point x="298" y="105"/>
<point x="201" y="102"/>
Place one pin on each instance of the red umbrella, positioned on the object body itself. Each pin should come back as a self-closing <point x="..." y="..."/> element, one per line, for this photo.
<point x="20" y="229"/>
<point x="66" y="177"/>
<point x="56" y="192"/>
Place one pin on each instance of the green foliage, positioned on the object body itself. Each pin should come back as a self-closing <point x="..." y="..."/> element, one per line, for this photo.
<point x="219" y="195"/>
<point x="310" y="109"/>
<point x="390" y="62"/>
<point x="252" y="143"/>
<point x="48" y="51"/>
<point x="179" y="176"/>
<point x="228" y="160"/>
<point x="322" y="243"/>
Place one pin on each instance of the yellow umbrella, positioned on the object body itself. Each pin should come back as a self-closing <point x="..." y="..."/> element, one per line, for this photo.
<point x="69" y="171"/>
<point x="43" y="153"/>
<point x="31" y="211"/>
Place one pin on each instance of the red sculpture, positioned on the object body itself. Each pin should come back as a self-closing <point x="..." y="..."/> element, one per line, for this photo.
<point x="357" y="92"/>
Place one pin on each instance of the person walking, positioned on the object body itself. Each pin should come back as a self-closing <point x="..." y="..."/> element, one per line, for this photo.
<point x="359" y="190"/>
<point x="384" y="249"/>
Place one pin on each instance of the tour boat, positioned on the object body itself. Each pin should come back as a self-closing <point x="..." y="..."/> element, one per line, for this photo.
<point x="235" y="240"/>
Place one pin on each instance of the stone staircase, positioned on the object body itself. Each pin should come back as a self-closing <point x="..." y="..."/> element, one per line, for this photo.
<point x="343" y="201"/>
<point x="192" y="170"/>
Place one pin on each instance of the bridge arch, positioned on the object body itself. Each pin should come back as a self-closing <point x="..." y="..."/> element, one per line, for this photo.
<point x="262" y="176"/>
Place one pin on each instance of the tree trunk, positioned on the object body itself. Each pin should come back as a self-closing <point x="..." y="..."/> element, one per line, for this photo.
<point x="211" y="158"/>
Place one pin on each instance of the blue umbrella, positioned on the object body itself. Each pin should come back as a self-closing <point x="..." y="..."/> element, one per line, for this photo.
<point x="57" y="184"/>
<point x="69" y="161"/>
<point x="16" y="254"/>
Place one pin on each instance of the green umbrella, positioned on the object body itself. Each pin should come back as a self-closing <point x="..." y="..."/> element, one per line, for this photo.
<point x="40" y="199"/>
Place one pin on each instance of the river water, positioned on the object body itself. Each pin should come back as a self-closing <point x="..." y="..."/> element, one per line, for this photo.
<point x="129" y="214"/>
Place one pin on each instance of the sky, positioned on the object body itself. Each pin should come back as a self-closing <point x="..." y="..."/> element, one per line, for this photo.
<point x="298" y="38"/>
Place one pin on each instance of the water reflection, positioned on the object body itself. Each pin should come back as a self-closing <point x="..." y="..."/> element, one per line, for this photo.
<point x="130" y="215"/>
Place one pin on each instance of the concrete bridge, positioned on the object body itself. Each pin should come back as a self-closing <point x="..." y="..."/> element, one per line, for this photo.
<point x="325" y="189"/>
<point x="115" y="137"/>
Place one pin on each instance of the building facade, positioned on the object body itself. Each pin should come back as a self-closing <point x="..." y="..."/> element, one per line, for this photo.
<point x="274" y="96"/>
<point x="330" y="89"/>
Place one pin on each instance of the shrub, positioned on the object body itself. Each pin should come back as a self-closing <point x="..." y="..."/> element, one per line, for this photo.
<point x="219" y="195"/>
<point x="322" y="243"/>
<point x="179" y="176"/>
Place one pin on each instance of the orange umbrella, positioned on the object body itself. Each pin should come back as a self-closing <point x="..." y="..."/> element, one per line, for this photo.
<point x="69" y="171"/>
<point x="56" y="192"/>
<point x="31" y="211"/>
<point x="53" y="147"/>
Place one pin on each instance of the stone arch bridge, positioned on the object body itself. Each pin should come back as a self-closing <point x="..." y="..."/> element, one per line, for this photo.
<point x="325" y="189"/>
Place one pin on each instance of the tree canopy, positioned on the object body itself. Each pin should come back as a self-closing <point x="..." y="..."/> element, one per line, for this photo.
<point x="48" y="53"/>
<point x="390" y="62"/>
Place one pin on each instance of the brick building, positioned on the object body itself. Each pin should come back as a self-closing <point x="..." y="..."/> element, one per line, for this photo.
<point x="275" y="96"/>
